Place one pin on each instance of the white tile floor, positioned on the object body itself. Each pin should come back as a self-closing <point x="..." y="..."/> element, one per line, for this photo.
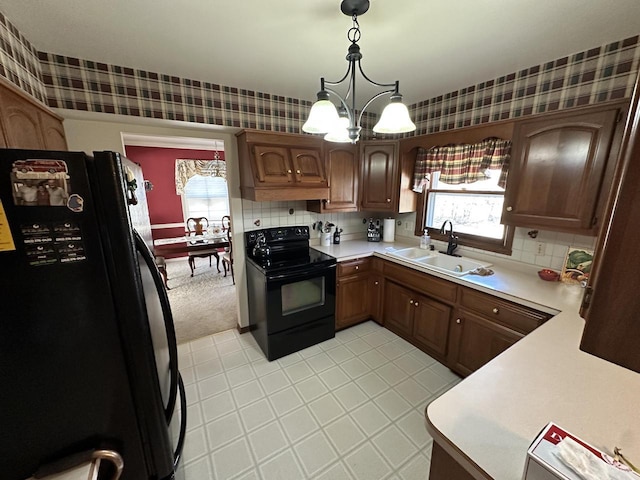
<point x="349" y="408"/>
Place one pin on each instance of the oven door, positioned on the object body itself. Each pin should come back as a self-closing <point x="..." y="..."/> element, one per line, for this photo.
<point x="299" y="297"/>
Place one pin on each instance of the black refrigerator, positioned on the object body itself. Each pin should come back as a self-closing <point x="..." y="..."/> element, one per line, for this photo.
<point x="88" y="355"/>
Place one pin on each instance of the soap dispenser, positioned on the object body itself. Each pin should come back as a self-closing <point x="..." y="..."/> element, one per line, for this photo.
<point x="425" y="240"/>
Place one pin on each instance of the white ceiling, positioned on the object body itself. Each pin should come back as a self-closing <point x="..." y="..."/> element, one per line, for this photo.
<point x="283" y="47"/>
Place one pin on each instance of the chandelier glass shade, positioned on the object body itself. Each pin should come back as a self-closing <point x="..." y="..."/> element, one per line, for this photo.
<point x="343" y="124"/>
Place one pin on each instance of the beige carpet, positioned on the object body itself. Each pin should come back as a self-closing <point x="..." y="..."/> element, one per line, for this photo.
<point x="203" y="304"/>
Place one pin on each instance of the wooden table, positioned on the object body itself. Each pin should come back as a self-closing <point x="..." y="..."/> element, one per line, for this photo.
<point x="188" y="245"/>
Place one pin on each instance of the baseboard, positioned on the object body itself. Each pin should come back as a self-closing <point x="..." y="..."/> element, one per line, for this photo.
<point x="242" y="330"/>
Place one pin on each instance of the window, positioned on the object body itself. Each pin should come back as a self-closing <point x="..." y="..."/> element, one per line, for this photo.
<point x="465" y="184"/>
<point x="473" y="208"/>
<point x="206" y="197"/>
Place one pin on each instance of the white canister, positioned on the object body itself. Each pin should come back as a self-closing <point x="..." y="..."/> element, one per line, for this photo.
<point x="389" y="230"/>
<point x="325" y="239"/>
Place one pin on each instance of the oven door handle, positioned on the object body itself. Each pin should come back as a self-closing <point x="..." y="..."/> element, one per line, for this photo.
<point x="309" y="272"/>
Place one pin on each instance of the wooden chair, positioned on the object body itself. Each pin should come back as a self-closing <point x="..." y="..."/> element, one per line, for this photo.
<point x="197" y="226"/>
<point x="227" y="256"/>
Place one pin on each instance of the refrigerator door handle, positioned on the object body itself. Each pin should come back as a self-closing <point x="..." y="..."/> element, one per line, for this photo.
<point x="148" y="257"/>
<point x="183" y="423"/>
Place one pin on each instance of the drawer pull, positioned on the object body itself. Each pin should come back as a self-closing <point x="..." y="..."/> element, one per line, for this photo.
<point x="495" y="310"/>
<point x="458" y="321"/>
<point x="416" y="304"/>
<point x="357" y="267"/>
<point x="411" y="302"/>
<point x="509" y="209"/>
<point x="376" y="282"/>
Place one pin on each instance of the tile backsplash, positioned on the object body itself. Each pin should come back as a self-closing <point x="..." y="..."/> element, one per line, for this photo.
<point x="554" y="245"/>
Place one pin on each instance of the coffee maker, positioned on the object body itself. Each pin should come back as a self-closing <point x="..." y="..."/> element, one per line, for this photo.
<point x="374" y="230"/>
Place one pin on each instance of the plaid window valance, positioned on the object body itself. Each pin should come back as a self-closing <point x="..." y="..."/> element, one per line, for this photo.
<point x="464" y="163"/>
<point x="185" y="169"/>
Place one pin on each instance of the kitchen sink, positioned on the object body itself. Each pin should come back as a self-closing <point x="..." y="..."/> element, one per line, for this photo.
<point x="457" y="266"/>
<point x="410" y="253"/>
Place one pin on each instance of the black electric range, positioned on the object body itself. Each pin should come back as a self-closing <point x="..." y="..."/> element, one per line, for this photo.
<point x="291" y="289"/>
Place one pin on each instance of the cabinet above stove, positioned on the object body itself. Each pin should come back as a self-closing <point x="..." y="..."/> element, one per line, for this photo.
<point x="279" y="166"/>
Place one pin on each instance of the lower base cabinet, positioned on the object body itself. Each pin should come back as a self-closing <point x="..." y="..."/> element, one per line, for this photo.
<point x="458" y="326"/>
<point x="352" y="292"/>
<point x="476" y="340"/>
<point x="417" y="317"/>
<point x="444" y="467"/>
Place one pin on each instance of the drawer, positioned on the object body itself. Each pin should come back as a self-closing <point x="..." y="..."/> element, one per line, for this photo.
<point x="351" y="267"/>
<point x="421" y="282"/>
<point x="514" y="316"/>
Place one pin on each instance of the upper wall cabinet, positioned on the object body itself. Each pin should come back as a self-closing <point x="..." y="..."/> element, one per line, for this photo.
<point x="26" y="123"/>
<point x="385" y="181"/>
<point x="561" y="169"/>
<point x="278" y="166"/>
<point x="342" y="166"/>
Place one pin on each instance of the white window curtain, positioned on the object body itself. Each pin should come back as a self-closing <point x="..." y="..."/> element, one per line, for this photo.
<point x="185" y="169"/>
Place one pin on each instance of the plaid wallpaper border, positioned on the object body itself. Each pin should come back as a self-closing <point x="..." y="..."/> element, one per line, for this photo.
<point x="78" y="84"/>
<point x="593" y="76"/>
<point x="19" y="61"/>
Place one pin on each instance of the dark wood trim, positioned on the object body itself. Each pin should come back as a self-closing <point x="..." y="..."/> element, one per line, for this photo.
<point x="242" y="330"/>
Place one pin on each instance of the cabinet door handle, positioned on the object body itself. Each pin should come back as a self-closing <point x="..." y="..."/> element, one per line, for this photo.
<point x="388" y="200"/>
<point x="411" y="302"/>
<point x="376" y="283"/>
<point x="289" y="171"/>
<point x="458" y="321"/>
<point x="327" y="201"/>
<point x="496" y="310"/>
<point x="357" y="267"/>
<point x="298" y="172"/>
<point x="509" y="209"/>
<point x="416" y="304"/>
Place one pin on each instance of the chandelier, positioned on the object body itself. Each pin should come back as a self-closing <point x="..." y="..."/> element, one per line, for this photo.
<point x="343" y="124"/>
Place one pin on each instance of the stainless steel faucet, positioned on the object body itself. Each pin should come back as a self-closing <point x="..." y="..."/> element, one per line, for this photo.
<point x="452" y="244"/>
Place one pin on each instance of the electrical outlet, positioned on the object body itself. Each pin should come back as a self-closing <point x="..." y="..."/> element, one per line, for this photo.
<point x="540" y="248"/>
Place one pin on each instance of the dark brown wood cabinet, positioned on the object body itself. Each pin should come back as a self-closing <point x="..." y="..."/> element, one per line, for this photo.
<point x="484" y="327"/>
<point x="386" y="179"/>
<point x="561" y="169"/>
<point x="25" y="123"/>
<point x="475" y="340"/>
<point x="459" y="326"/>
<point x="611" y="302"/>
<point x="379" y="172"/>
<point x="352" y="292"/>
<point x="278" y="166"/>
<point x="399" y="309"/>
<point x="342" y="166"/>
<point x="376" y="290"/>
<point x="420" y="319"/>
<point x="431" y="325"/>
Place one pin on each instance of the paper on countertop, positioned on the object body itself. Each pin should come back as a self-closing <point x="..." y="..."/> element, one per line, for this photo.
<point x="586" y="465"/>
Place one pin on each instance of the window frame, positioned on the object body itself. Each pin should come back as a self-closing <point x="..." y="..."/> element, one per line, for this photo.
<point x="212" y="221"/>
<point x="497" y="245"/>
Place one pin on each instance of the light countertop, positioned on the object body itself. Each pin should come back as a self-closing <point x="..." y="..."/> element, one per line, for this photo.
<point x="511" y="280"/>
<point x="488" y="420"/>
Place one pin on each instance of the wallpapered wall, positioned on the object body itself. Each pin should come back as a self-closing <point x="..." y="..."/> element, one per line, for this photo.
<point x="599" y="74"/>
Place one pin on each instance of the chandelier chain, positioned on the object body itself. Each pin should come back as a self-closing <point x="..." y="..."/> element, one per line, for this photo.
<point x="354" y="32"/>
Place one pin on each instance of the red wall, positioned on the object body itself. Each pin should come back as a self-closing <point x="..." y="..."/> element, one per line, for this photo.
<point x="158" y="167"/>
